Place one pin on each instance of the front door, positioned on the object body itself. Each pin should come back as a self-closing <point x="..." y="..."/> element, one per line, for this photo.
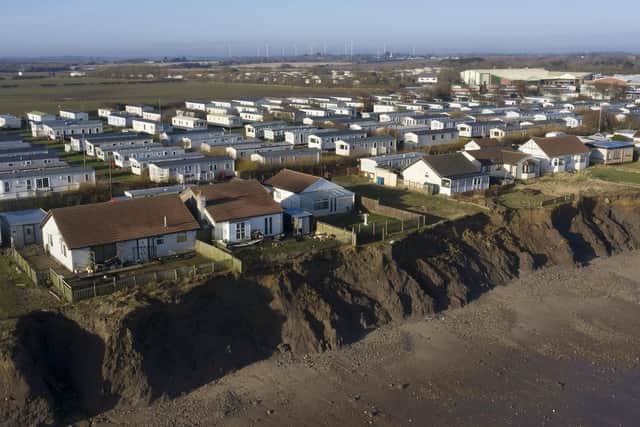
<point x="29" y="234"/>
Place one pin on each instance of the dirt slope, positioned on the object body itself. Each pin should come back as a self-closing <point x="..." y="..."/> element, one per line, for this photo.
<point x="159" y="343"/>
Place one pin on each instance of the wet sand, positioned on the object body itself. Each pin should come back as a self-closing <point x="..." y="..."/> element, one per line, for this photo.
<point x="558" y="347"/>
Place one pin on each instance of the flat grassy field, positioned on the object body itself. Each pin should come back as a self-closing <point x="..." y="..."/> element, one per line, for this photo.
<point x="89" y="94"/>
<point x="17" y="294"/>
<point x="628" y="173"/>
<point x="435" y="208"/>
<point x="348" y="220"/>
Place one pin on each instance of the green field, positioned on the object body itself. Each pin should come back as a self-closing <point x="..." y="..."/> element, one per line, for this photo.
<point x="89" y="94"/>
<point x="435" y="208"/>
<point x="628" y="173"/>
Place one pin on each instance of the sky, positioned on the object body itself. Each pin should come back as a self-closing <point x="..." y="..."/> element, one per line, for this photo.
<point x="211" y="28"/>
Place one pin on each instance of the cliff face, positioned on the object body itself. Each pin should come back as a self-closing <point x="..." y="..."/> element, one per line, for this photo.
<point x="159" y="343"/>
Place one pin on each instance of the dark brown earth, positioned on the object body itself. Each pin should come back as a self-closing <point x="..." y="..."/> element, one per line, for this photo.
<point x="342" y="337"/>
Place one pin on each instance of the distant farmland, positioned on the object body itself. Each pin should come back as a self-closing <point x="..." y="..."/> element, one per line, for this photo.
<point x="88" y="94"/>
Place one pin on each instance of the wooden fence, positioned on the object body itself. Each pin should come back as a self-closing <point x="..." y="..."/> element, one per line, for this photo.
<point x="81" y="289"/>
<point x="374" y="206"/>
<point x="341" y="234"/>
<point x="38" y="278"/>
<point x="379" y="231"/>
<point x="218" y="255"/>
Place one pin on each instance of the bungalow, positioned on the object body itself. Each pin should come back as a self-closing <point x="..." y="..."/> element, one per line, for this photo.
<point x="193" y="138"/>
<point x="297" y="190"/>
<point x="105" y="112"/>
<point x="103" y="145"/>
<point x="141" y="163"/>
<point x="398" y="161"/>
<point x="278" y="133"/>
<point x="611" y="152"/>
<point x="421" y="138"/>
<point x="137" y="110"/>
<point x="504" y="163"/>
<point x="152" y="116"/>
<point x="477" y="129"/>
<point x="447" y="174"/>
<point x="223" y="142"/>
<point x="12" y="140"/>
<point x="122" y="157"/>
<point x="30" y="161"/>
<point x="196" y="105"/>
<point x="236" y="211"/>
<point x="22" y="228"/>
<point x="201" y="169"/>
<point x="478" y="144"/>
<point x="245" y="150"/>
<point x="74" y="115"/>
<point x="299" y="135"/>
<point x="257" y="130"/>
<point x="63" y="128"/>
<point x="40" y="182"/>
<point x="23" y="149"/>
<point x="224" y="120"/>
<point x="8" y="121"/>
<point x="149" y="127"/>
<point x="120" y="119"/>
<point x="325" y="139"/>
<point x="287" y="157"/>
<point x="558" y="154"/>
<point x="372" y="146"/>
<point x="421" y="119"/>
<point x="188" y="123"/>
<point x="40" y="117"/>
<point x="85" y="237"/>
<point x="251" y="116"/>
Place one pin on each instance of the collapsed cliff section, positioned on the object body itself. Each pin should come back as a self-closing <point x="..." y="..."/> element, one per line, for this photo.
<point x="163" y="341"/>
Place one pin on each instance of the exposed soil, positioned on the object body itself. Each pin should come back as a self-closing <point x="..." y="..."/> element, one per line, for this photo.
<point x="273" y="345"/>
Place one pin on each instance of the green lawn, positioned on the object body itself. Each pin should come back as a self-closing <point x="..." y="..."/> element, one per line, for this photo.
<point x="627" y="173"/>
<point x="623" y="175"/>
<point x="282" y="251"/>
<point x="435" y="208"/>
<point x="349" y="220"/>
<point x="89" y="94"/>
<point x="522" y="199"/>
<point x="17" y="294"/>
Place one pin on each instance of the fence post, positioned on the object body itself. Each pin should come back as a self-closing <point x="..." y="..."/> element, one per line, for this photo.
<point x="94" y="288"/>
<point x="114" y="283"/>
<point x="402" y="225"/>
<point x="175" y="272"/>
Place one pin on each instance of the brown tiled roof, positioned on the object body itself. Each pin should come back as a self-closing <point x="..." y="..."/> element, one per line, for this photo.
<point x="237" y="199"/>
<point x="493" y="155"/>
<point x="561" y="145"/>
<point x="292" y="181"/>
<point x="103" y="223"/>
<point x="488" y="142"/>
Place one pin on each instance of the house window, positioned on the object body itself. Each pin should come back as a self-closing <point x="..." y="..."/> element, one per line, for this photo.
<point x="29" y="185"/>
<point x="240" y="231"/>
<point x="42" y="183"/>
<point x="50" y="239"/>
<point x="7" y="187"/>
<point x="64" y="250"/>
<point x="160" y="241"/>
<point x="446" y="183"/>
<point x="68" y="179"/>
<point x="321" y="205"/>
<point x="268" y="225"/>
<point x="181" y="238"/>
